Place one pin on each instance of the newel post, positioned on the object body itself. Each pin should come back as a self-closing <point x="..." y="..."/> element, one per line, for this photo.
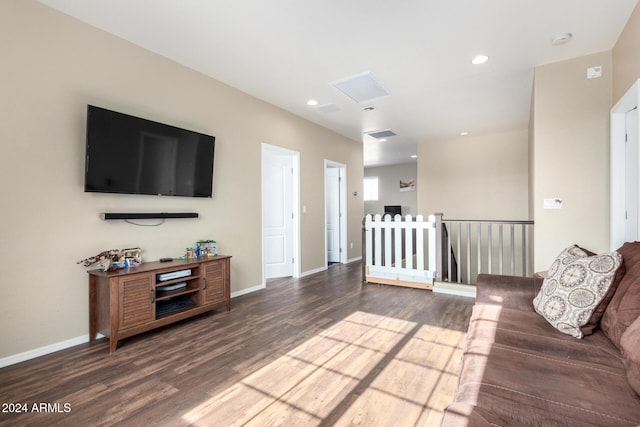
<point x="435" y="245"/>
<point x="364" y="248"/>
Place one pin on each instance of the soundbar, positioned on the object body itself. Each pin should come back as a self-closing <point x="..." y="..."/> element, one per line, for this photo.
<point x="158" y="215"/>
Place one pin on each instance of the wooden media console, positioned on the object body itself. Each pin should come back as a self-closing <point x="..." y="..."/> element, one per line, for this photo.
<point x="130" y="301"/>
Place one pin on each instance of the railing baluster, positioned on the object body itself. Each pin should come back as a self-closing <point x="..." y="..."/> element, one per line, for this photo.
<point x="449" y="254"/>
<point x="378" y="241"/>
<point x="458" y="253"/>
<point x="513" y="250"/>
<point x="524" y="250"/>
<point x="500" y="248"/>
<point x="419" y="242"/>
<point x="479" y="246"/>
<point x="408" y="254"/>
<point x="490" y="243"/>
<point x="468" y="251"/>
<point x="367" y="239"/>
<point x="387" y="241"/>
<point x="397" y="224"/>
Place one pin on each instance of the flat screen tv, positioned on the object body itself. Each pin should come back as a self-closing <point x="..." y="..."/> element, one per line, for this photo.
<point x="131" y="155"/>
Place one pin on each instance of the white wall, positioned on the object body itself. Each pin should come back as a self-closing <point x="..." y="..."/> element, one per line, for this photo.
<point x="389" y="189"/>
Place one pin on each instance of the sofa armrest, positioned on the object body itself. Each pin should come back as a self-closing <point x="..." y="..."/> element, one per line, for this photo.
<point x="508" y="291"/>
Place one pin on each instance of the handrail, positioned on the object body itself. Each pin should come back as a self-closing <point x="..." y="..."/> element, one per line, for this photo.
<point x="491" y="221"/>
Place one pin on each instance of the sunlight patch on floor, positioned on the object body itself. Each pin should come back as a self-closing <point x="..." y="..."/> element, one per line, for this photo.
<point x="392" y="366"/>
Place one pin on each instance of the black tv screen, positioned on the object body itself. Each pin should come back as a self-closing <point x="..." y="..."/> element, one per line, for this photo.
<point x="131" y="155"/>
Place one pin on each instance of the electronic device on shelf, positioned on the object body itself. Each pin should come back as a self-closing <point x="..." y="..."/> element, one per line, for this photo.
<point x="167" y="288"/>
<point x="163" y="277"/>
<point x="174" y="304"/>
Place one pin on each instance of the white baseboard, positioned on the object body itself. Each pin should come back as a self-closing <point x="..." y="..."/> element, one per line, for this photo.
<point x="349" y="261"/>
<point x="41" y="351"/>
<point x="455" y="289"/>
<point x="52" y="348"/>
<point x="314" y="271"/>
<point x="248" y="290"/>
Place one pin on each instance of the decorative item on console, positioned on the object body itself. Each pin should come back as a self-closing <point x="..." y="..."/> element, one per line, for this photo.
<point x="206" y="248"/>
<point x="114" y="259"/>
<point x="203" y="249"/>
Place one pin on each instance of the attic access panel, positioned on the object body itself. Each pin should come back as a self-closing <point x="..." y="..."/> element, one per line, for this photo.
<point x="361" y="88"/>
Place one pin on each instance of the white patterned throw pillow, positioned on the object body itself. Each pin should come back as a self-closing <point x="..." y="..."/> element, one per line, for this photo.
<point x="574" y="287"/>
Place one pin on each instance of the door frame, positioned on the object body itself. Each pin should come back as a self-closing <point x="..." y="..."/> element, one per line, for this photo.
<point x="629" y="101"/>
<point x="295" y="208"/>
<point x="343" y="207"/>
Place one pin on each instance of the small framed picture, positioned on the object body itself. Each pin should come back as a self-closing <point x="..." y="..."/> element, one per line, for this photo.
<point x="408" y="184"/>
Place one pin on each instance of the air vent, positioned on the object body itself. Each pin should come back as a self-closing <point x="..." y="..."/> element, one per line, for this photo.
<point x="361" y="87"/>
<point x="328" y="108"/>
<point x="387" y="133"/>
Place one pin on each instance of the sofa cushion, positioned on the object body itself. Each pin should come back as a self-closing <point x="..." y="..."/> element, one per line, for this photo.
<point x="531" y="333"/>
<point x="630" y="343"/>
<point x="577" y="289"/>
<point x="535" y="389"/>
<point x="522" y="290"/>
<point x="624" y="307"/>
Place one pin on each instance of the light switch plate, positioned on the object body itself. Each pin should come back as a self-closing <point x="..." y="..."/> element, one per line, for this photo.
<point x="553" y="203"/>
<point x="594" y="72"/>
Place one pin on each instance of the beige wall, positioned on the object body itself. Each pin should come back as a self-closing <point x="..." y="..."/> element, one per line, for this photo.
<point x="475" y="177"/>
<point x="53" y="66"/>
<point x="626" y="60"/>
<point x="571" y="156"/>
<point x="389" y="189"/>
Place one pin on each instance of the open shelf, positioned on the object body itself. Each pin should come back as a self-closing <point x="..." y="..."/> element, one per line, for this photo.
<point x="173" y="305"/>
<point x="165" y="295"/>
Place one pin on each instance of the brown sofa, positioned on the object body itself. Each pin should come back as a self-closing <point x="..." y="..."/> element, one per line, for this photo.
<point x="519" y="370"/>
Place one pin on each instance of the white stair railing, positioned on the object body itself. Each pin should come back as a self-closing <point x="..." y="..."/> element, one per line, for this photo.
<point x="410" y="251"/>
<point x="472" y="247"/>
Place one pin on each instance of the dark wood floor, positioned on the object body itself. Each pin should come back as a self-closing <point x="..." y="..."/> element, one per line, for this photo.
<point x="322" y="350"/>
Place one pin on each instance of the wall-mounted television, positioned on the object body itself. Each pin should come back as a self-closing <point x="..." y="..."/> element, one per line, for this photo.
<point x="132" y="155"/>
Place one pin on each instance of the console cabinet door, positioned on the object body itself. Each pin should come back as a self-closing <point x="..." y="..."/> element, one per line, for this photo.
<point x="137" y="305"/>
<point x="216" y="281"/>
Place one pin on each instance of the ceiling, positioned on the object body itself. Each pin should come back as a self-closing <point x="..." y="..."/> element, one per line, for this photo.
<point x="286" y="52"/>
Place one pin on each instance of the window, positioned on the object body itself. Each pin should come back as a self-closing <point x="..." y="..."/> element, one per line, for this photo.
<point x="371" y="188"/>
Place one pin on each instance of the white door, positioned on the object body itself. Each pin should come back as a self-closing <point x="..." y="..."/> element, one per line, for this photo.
<point x="632" y="157"/>
<point x="332" y="206"/>
<point x="277" y="184"/>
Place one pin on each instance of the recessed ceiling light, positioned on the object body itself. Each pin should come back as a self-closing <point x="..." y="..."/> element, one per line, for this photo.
<point x="465" y="133"/>
<point x="383" y="140"/>
<point x="561" y="39"/>
<point x="414" y="156"/>
<point x="312" y="103"/>
<point x="480" y="59"/>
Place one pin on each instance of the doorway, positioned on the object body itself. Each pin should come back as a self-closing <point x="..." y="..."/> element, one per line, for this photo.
<point x="335" y="212"/>
<point x="280" y="208"/>
<point x="625" y="163"/>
